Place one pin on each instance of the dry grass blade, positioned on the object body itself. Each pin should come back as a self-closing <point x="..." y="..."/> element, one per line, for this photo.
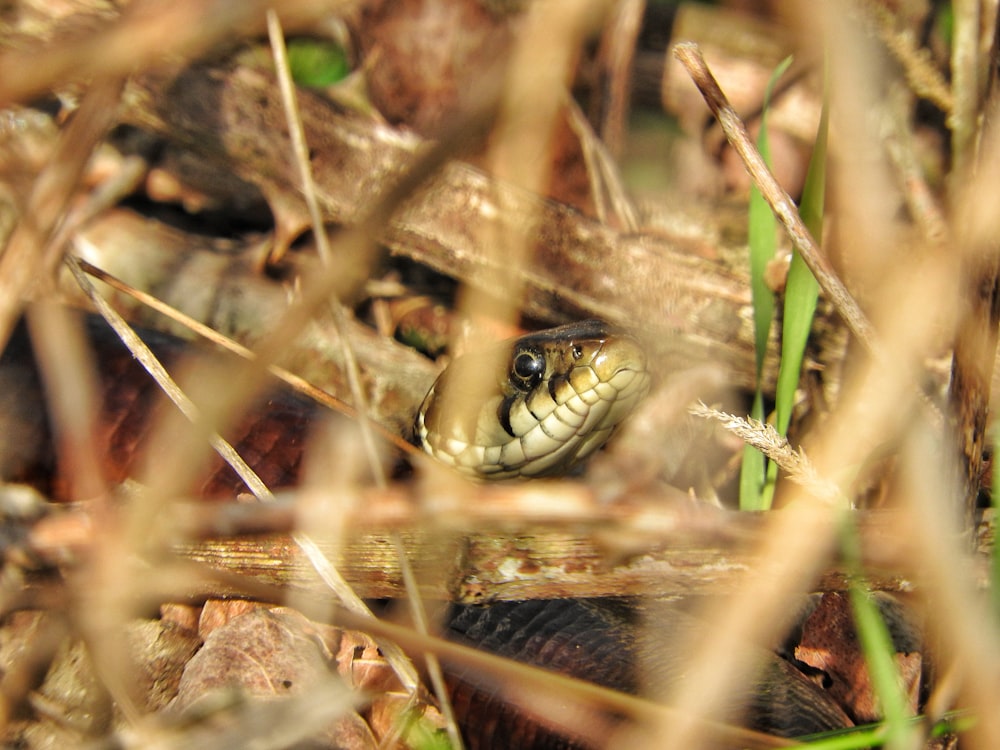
<point x="923" y="77"/>
<point x="136" y="41"/>
<point x="960" y="618"/>
<point x="158" y="372"/>
<point x="299" y="384"/>
<point x="618" y="44"/>
<point x="67" y="368"/>
<point x="301" y="153"/>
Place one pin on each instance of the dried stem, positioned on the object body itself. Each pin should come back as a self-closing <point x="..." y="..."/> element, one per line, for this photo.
<point x="966" y="89"/>
<point x="780" y="202"/>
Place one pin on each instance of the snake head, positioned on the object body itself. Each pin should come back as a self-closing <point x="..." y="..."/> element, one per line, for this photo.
<point x="536" y="405"/>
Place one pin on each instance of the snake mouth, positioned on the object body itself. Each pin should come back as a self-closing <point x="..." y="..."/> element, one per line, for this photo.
<point x="558" y="396"/>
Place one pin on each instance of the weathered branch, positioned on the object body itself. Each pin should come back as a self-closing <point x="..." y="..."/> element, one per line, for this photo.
<point x="693" y="308"/>
<point x="504" y="546"/>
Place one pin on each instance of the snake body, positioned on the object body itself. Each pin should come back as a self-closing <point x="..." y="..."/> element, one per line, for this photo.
<point x="531" y="407"/>
<point x="534" y="406"/>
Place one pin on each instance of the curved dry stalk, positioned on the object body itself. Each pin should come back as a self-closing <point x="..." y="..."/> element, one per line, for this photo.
<point x="301" y="153"/>
<point x="399" y="661"/>
<point x="967" y="91"/>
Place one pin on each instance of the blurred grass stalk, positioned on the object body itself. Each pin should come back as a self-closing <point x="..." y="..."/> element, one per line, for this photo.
<point x="995" y="504"/>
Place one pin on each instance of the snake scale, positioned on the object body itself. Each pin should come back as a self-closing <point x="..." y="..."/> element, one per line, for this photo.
<point x="531" y="407"/>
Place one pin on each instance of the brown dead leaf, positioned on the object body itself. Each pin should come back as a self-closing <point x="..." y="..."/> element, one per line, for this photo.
<point x="268" y="653"/>
<point x="184" y="616"/>
<point x="262" y="652"/>
<point x="425" y="60"/>
<point x="217" y="612"/>
<point x="830" y="644"/>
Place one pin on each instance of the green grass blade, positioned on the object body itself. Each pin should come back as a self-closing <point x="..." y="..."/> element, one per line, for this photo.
<point x="763" y="235"/>
<point x="801" y="289"/>
<point x="762" y="238"/>
<point x="874" y="735"/>
<point x="753" y="469"/>
<point x="877" y="646"/>
<point x="801" y="295"/>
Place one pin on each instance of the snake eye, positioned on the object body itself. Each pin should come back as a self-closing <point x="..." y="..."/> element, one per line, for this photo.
<point x="576" y="351"/>
<point x="527" y="370"/>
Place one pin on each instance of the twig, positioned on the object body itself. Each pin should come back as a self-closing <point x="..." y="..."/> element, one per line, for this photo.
<point x="780" y="202"/>
<point x="617" y="56"/>
<point x="920" y="198"/>
<point x="611" y="200"/>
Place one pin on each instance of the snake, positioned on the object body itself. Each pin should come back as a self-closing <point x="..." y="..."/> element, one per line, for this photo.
<point x="535" y="406"/>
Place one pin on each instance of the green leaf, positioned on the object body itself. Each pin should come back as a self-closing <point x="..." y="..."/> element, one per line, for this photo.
<point x="801" y="293"/>
<point x="317" y="63"/>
